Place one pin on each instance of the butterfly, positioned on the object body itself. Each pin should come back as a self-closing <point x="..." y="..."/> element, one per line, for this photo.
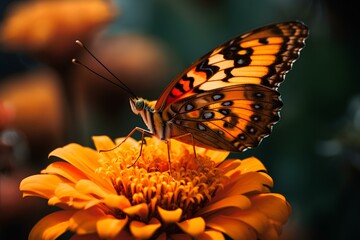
<point x="227" y="99"/>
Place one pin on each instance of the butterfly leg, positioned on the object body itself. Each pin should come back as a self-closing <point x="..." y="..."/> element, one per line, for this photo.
<point x="137" y="129"/>
<point x="192" y="143"/>
<point x="168" y="144"/>
<point x="143" y="132"/>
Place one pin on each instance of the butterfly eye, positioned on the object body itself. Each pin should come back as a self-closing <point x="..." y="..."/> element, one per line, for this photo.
<point x="139" y="104"/>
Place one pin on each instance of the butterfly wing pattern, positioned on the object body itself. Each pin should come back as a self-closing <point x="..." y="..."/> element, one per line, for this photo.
<point x="228" y="99"/>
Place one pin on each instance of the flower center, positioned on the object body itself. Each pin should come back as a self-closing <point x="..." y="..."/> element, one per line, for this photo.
<point x="192" y="184"/>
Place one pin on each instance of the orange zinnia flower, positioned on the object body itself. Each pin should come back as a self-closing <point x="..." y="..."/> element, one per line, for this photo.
<point x="53" y="26"/>
<point x="205" y="198"/>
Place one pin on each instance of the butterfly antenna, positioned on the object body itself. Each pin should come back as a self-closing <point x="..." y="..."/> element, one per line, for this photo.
<point x="75" y="61"/>
<point x="122" y="85"/>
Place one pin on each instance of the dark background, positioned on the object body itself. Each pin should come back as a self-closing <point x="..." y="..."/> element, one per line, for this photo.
<point x="313" y="153"/>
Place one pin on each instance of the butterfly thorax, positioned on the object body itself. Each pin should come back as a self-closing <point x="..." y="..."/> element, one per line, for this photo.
<point x="152" y="118"/>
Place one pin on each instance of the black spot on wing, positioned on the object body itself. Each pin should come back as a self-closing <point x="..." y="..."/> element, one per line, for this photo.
<point x="209" y="70"/>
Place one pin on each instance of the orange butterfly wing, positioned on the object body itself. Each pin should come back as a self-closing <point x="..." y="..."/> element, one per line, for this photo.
<point x="228" y="99"/>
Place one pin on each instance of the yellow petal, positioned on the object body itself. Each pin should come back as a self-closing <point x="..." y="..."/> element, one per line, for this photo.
<point x="230" y="167"/>
<point x="130" y="142"/>
<point x="252" y="182"/>
<point x="211" y="235"/>
<point x="252" y="164"/>
<point x="68" y="194"/>
<point x="103" y="144"/>
<point x="67" y="191"/>
<point x="216" y="155"/>
<point x="116" y="201"/>
<point x="73" y="203"/>
<point x="109" y="226"/>
<point x="193" y="226"/>
<point x="142" y="230"/>
<point x="40" y="185"/>
<point x="235" y="167"/>
<point x="236" y="229"/>
<point x="237" y="201"/>
<point x="85" y="159"/>
<point x="273" y="231"/>
<point x="141" y="210"/>
<point x="252" y="217"/>
<point x="273" y="205"/>
<point x="84" y="221"/>
<point x="88" y="187"/>
<point x="51" y="226"/>
<point x="170" y="216"/>
<point x="65" y="170"/>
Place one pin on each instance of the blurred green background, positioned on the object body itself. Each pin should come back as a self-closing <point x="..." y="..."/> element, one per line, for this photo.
<point x="46" y="102"/>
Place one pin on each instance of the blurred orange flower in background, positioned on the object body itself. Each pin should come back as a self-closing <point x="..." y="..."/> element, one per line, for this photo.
<point x="53" y="26"/>
<point x="36" y="103"/>
<point x="103" y="198"/>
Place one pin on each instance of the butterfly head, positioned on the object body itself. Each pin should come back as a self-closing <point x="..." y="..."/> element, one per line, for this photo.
<point x="137" y="105"/>
<point x="145" y="109"/>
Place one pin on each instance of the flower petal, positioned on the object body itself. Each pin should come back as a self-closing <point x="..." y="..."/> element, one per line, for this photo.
<point x="273" y="231"/>
<point x="90" y="188"/>
<point x="109" y="227"/>
<point x="130" y="142"/>
<point x="141" y="210"/>
<point x="211" y="235"/>
<point x="273" y="205"/>
<point x="230" y="167"/>
<point x="142" y="230"/>
<point x="80" y="157"/>
<point x="237" y="201"/>
<point x="251" y="217"/>
<point x="65" y="190"/>
<point x="84" y="221"/>
<point x="170" y="216"/>
<point x="85" y="159"/>
<point x="236" y="229"/>
<point x="51" y="226"/>
<point x="116" y="201"/>
<point x="65" y="170"/>
<point x="252" y="182"/>
<point x="252" y="164"/>
<point x="104" y="143"/>
<point x="40" y="185"/>
<point x="193" y="226"/>
<point x="235" y="167"/>
<point x="216" y="155"/>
